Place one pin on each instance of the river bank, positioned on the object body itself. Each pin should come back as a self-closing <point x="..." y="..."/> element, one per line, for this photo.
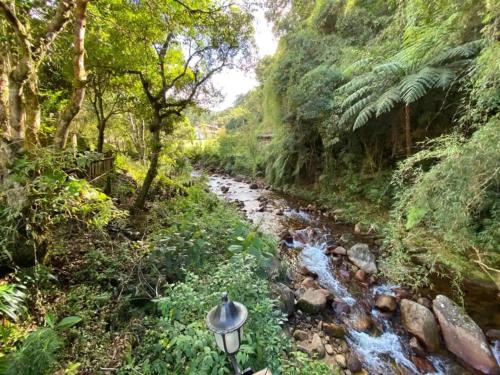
<point x="366" y="308"/>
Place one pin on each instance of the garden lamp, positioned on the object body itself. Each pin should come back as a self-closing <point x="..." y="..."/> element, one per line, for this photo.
<point x="226" y="322"/>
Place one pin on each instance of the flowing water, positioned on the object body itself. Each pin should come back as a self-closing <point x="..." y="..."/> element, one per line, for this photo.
<point x="384" y="350"/>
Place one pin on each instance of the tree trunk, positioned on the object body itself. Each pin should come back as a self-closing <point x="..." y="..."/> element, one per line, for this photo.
<point x="17" y="115"/>
<point x="4" y="97"/>
<point x="32" y="112"/>
<point x="153" y="167"/>
<point x="408" y="129"/>
<point x="80" y="76"/>
<point x="100" y="137"/>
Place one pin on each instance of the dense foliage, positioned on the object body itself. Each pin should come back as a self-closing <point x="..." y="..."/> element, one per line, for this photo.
<point x="358" y="86"/>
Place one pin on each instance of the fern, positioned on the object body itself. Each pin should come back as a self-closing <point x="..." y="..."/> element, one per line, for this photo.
<point x="464" y="51"/>
<point x="388" y="100"/>
<point x="364" y="116"/>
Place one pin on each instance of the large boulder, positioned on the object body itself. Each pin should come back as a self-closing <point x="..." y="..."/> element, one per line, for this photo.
<point x="386" y="303"/>
<point x="463" y="337"/>
<point x="419" y="321"/>
<point x="285" y="297"/>
<point x="313" y="301"/>
<point x="362" y="257"/>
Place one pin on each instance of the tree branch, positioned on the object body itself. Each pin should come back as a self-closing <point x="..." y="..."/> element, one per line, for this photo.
<point x="19" y="29"/>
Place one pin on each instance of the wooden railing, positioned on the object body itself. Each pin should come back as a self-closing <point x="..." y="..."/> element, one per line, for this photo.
<point x="99" y="168"/>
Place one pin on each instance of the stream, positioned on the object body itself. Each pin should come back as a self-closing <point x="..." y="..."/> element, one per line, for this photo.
<point x="385" y="349"/>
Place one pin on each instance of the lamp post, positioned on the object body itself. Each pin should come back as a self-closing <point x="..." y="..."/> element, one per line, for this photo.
<point x="226" y="321"/>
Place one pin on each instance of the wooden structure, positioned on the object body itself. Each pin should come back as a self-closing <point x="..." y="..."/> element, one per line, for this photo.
<point x="99" y="168"/>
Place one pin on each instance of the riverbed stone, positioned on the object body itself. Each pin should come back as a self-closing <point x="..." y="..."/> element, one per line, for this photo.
<point x="300" y="335"/>
<point x="334" y="330"/>
<point x="313" y="301"/>
<point x="361" y="322"/>
<point x="329" y="349"/>
<point x="463" y="337"/>
<point x="417" y="348"/>
<point x="386" y="303"/>
<point x="309" y="283"/>
<point x="336" y="250"/>
<point x="353" y="363"/>
<point x="341" y="361"/>
<point x="360" y="275"/>
<point x="317" y="346"/>
<point x="362" y="257"/>
<point x="419" y="321"/>
<point x="285" y="297"/>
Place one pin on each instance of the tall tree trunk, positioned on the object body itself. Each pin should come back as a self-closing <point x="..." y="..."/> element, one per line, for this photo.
<point x="408" y="129"/>
<point x="80" y="76"/>
<point x="4" y="97"/>
<point x="153" y="166"/>
<point x="100" y="137"/>
<point x="17" y="115"/>
<point x="33" y="113"/>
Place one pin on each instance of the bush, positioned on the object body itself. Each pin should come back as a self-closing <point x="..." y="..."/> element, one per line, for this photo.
<point x="199" y="230"/>
<point x="187" y="347"/>
<point x="41" y="191"/>
<point x="447" y="204"/>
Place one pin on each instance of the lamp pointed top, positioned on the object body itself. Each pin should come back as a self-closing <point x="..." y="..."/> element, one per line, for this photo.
<point x="226" y="317"/>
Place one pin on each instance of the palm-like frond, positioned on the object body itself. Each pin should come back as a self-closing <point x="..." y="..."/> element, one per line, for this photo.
<point x="356" y="83"/>
<point x="394" y="68"/>
<point x="464" y="51"/>
<point x="416" y="85"/>
<point x="356" y="108"/>
<point x="388" y="100"/>
<point x="364" y="115"/>
<point x="356" y="96"/>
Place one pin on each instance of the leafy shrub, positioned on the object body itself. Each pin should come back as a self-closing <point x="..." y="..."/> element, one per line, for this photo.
<point x="201" y="231"/>
<point x="41" y="191"/>
<point x="447" y="204"/>
<point x="187" y="347"/>
<point x="11" y="300"/>
<point x="38" y="352"/>
<point x="301" y="364"/>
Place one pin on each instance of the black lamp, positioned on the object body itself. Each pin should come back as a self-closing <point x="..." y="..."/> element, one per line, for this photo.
<point x="226" y="321"/>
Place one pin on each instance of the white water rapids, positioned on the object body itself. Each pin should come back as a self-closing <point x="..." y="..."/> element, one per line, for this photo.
<point x="384" y="352"/>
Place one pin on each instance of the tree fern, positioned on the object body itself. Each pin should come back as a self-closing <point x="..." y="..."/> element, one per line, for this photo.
<point x="364" y="116"/>
<point x="388" y="100"/>
<point x="451" y="54"/>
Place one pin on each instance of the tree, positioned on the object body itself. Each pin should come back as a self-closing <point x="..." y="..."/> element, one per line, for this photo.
<point x="190" y="41"/>
<point x="80" y="77"/>
<point x="405" y="81"/>
<point x="35" y="31"/>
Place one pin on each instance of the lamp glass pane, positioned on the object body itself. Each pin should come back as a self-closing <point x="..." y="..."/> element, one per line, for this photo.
<point x="233" y="341"/>
<point x="219" y="341"/>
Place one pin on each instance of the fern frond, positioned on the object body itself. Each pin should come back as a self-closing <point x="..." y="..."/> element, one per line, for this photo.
<point x="464" y="51"/>
<point x="388" y="100"/>
<point x="364" y="116"/>
<point x="356" y="96"/>
<point x="356" y="108"/>
<point x="416" y="85"/>
<point x="391" y="67"/>
<point x="356" y="83"/>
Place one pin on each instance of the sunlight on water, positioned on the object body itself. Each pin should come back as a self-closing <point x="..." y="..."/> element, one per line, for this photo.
<point x="314" y="258"/>
<point x="372" y="349"/>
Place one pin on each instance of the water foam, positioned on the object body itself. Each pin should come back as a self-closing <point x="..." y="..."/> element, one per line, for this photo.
<point x="314" y="259"/>
<point x="372" y="349"/>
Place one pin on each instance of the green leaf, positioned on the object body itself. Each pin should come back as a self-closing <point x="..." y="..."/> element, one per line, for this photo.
<point x="414" y="217"/>
<point x="68" y="322"/>
<point x="235" y="248"/>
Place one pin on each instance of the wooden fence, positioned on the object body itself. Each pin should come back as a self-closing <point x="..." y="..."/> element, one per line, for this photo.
<point x="99" y="168"/>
